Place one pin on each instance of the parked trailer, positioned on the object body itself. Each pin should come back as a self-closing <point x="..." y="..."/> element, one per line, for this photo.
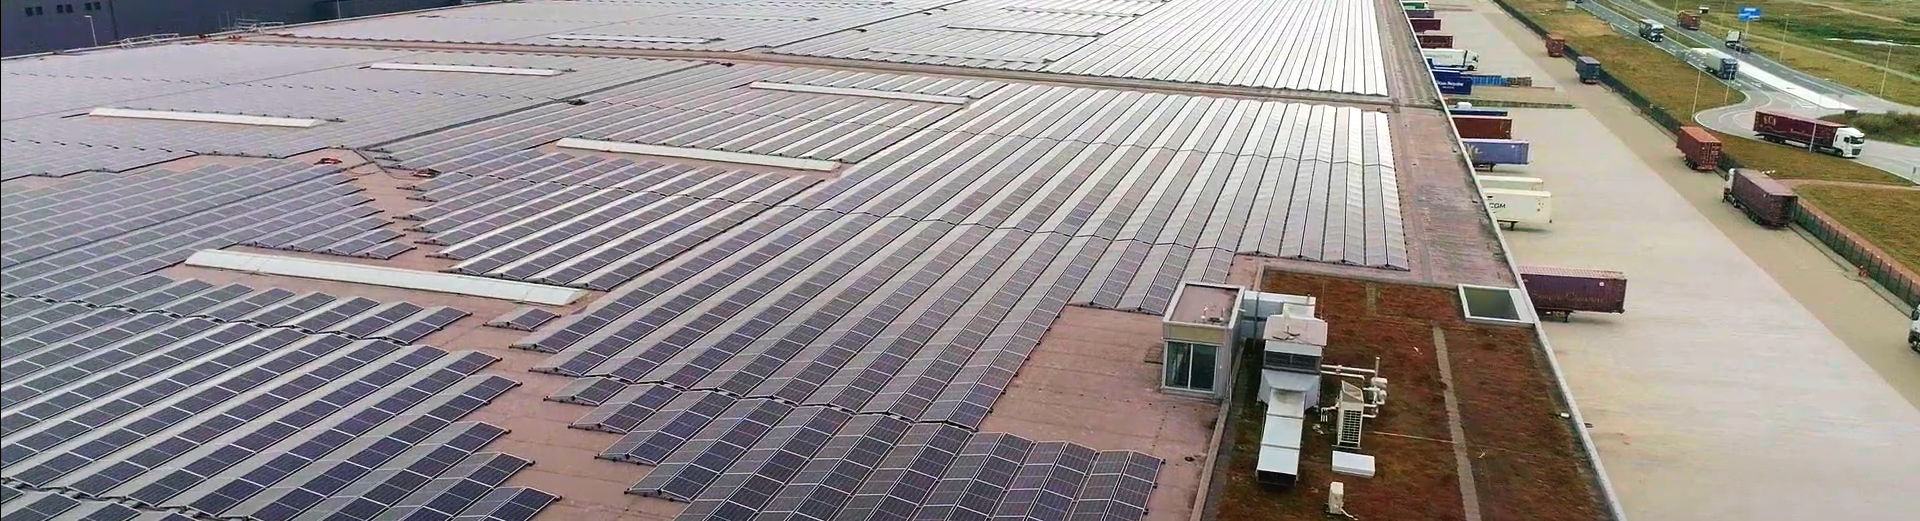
<point x="1686" y="20"/>
<point x="1556" y="45"/>
<point x="1817" y="135"/>
<point x="1420" y="13"/>
<point x="1512" y="207"/>
<point x="1589" y="69"/>
<point x="1558" y="292"/>
<point x="1470" y="111"/>
<point x="1451" y="58"/>
<point x="1483" y="127"/>
<point x="1485" y="153"/>
<point x="1512" y="182"/>
<point x="1699" y="148"/>
<point x="1434" y="40"/>
<point x="1421" y="25"/>
<point x="1763" y="199"/>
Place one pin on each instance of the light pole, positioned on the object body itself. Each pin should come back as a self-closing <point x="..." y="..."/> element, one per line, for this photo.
<point x="1884" y="68"/>
<point x="1697" y="78"/>
<point x="96" y="36"/>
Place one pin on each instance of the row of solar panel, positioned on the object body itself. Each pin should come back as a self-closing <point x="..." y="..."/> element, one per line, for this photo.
<point x="713" y="107"/>
<point x="240" y="421"/>
<point x="88" y="268"/>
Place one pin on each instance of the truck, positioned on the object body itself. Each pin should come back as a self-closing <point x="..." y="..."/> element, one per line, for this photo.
<point x="1421" y="25"/>
<point x="1816" y="135"/>
<point x="1687" y="20"/>
<point x="1512" y="207"/>
<point x="1726" y="69"/>
<point x="1512" y="182"/>
<point x="1767" y="202"/>
<point x="1483" y="127"/>
<point x="1589" y="69"/>
<point x="1434" y="40"/>
<point x="1556" y="46"/>
<point x="1652" y="31"/>
<point x="1699" y="148"/>
<point x="1485" y="153"/>
<point x="1453" y="58"/>
<point x="1913" y="331"/>
<point x="1735" y="42"/>
<point x="1558" y="292"/>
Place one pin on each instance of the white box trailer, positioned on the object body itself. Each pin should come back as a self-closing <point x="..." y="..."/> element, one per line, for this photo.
<point x="1512" y="207"/>
<point x="1455" y="58"/>
<point x="1512" y="182"/>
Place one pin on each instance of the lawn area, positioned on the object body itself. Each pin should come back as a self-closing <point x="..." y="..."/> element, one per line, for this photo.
<point x="1890" y="219"/>
<point x="1667" y="83"/>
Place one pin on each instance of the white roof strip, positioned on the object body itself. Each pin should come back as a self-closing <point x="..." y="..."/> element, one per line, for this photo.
<point x="757" y="18"/>
<point x="625" y="38"/>
<point x="1029" y="30"/>
<point x="476" y="69"/>
<point x="962" y="55"/>
<point x="388" y="277"/>
<point x="1056" y="10"/>
<point x="868" y="93"/>
<point x="698" y="153"/>
<point x="204" y="117"/>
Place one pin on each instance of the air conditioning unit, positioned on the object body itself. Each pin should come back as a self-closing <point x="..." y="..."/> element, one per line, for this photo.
<point x="1350" y="415"/>
<point x="1337" y="499"/>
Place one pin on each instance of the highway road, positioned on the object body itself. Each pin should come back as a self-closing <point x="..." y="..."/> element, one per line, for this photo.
<point x="1737" y="119"/>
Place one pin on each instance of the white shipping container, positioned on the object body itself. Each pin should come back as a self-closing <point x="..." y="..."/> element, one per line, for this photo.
<point x="1511" y="207"/>
<point x="1512" y="182"/>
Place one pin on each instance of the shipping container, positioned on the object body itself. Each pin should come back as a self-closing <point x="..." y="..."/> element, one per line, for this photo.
<point x="1687" y="20"/>
<point x="1699" y="148"/>
<point x="1421" y="25"/>
<point x="1511" y="182"/>
<point x="1413" y="4"/>
<point x="1485" y="153"/>
<point x="1763" y="199"/>
<point x="1483" y="127"/>
<point x="1419" y="13"/>
<point x="1435" y="40"/>
<point x="1512" y="207"/>
<point x="1589" y="69"/>
<point x="1558" y="292"/>
<point x="1556" y="45"/>
<point x="1472" y="111"/>
<point x="1819" y="136"/>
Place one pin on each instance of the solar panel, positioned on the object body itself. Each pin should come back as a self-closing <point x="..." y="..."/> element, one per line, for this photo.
<point x="587" y="391"/>
<point x="525" y="318"/>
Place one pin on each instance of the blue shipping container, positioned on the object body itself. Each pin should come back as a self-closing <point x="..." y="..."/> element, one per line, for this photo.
<point x="1452" y="82"/>
<point x="1483" y="79"/>
<point x="1478" y="112"/>
<point x="1498" y="151"/>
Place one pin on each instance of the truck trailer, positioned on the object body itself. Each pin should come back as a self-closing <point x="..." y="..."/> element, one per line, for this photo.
<point x="1420" y="13"/>
<point x="1727" y="69"/>
<point x="1510" y="182"/>
<point x="1687" y="20"/>
<point x="1483" y="127"/>
<point x="1589" y="70"/>
<point x="1556" y="45"/>
<point x="1766" y="201"/>
<point x="1485" y="153"/>
<point x="1512" y="207"/>
<point x="1434" y="40"/>
<point x="1814" y="134"/>
<point x="1699" y="148"/>
<point x="1453" y="58"/>
<point x="1558" y="292"/>
<point x="1652" y="31"/>
<point x="1421" y="25"/>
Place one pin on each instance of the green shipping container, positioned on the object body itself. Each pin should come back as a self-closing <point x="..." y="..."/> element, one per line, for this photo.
<point x="1413" y="4"/>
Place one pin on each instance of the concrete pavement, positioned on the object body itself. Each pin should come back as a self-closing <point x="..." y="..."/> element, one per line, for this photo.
<point x="1751" y="378"/>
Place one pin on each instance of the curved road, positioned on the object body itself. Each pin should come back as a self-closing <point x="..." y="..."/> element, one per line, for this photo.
<point x="1900" y="160"/>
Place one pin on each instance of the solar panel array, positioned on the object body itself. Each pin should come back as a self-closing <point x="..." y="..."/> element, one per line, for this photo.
<point x="100" y="230"/>
<point x="354" y="103"/>
<point x="162" y="398"/>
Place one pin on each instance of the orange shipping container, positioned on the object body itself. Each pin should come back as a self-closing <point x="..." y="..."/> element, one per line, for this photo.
<point x="1556" y="45"/>
<point x="1435" y="41"/>
<point x="1700" y="148"/>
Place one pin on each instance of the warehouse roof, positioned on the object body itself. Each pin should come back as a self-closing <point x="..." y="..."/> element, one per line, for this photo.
<point x="811" y="281"/>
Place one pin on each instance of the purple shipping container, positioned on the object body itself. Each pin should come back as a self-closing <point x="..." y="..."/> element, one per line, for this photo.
<point x="1488" y="152"/>
<point x="1421" y="25"/>
<point x="1565" y="290"/>
<point x="1764" y="200"/>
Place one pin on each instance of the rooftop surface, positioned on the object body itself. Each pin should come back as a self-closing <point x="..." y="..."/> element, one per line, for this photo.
<point x="841" y="284"/>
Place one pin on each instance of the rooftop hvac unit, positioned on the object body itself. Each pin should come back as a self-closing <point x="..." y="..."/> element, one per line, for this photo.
<point x="1351" y="414"/>
<point x="1337" y="499"/>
